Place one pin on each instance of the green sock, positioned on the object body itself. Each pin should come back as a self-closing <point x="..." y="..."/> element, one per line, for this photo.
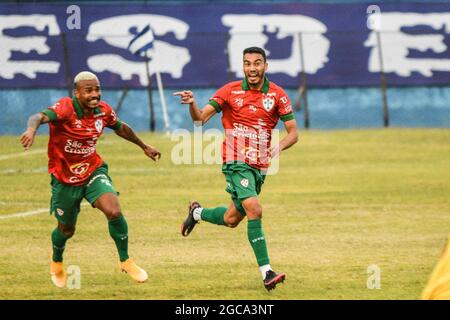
<point x="58" y="244"/>
<point x="258" y="241"/>
<point x="214" y="215"/>
<point x="118" y="229"/>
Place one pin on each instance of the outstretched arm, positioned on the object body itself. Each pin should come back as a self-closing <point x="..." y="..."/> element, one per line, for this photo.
<point x="199" y="117"/>
<point x="289" y="140"/>
<point x="127" y="133"/>
<point x="34" y="121"/>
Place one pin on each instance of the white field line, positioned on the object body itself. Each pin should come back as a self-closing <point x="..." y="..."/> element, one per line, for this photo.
<point x="28" y="153"/>
<point x="36" y="170"/>
<point x="22" y="154"/>
<point x="24" y="214"/>
<point x="29" y="213"/>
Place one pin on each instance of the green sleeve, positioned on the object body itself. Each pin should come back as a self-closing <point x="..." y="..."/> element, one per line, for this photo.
<point x="50" y="114"/>
<point x="116" y="126"/>
<point x="287" y="117"/>
<point x="215" y="105"/>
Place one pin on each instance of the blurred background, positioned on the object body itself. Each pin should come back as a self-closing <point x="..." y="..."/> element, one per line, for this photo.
<point x="344" y="63"/>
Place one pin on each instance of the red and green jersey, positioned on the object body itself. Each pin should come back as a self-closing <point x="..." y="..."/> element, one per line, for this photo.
<point x="249" y="116"/>
<point x="72" y="155"/>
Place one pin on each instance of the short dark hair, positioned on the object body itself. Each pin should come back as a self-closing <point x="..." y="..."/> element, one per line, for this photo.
<point x="255" y="50"/>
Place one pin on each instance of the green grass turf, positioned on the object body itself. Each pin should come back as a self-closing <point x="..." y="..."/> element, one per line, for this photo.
<point x="342" y="201"/>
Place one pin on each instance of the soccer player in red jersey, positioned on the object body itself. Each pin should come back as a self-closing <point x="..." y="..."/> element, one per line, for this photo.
<point x="78" y="172"/>
<point x="251" y="109"/>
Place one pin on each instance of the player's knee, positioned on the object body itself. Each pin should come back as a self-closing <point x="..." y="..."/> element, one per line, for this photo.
<point x="113" y="213"/>
<point x="252" y="208"/>
<point x="67" y="231"/>
<point x="233" y="223"/>
<point x="255" y="212"/>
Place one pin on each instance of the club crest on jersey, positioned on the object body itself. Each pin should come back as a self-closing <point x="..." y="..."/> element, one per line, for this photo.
<point x="80" y="168"/>
<point x="268" y="104"/>
<point x="244" y="183"/>
<point x="251" y="153"/>
<point x="99" y="125"/>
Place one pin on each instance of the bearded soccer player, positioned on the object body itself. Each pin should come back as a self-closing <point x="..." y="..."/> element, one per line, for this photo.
<point x="251" y="109"/>
<point x="78" y="172"/>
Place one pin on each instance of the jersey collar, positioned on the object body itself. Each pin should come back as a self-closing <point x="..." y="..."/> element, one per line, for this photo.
<point x="78" y="109"/>
<point x="264" y="89"/>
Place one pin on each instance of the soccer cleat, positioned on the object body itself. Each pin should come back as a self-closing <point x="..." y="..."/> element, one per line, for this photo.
<point x="272" y="279"/>
<point x="58" y="275"/>
<point x="189" y="224"/>
<point x="134" y="271"/>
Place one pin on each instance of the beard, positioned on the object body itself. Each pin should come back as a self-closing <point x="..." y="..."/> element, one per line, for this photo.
<point x="255" y="79"/>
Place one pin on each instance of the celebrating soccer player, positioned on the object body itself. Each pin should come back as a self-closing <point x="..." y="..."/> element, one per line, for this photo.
<point x="251" y="109"/>
<point x="78" y="172"/>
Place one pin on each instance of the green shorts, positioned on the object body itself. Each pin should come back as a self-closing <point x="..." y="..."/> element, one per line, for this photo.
<point x="243" y="182"/>
<point x="66" y="199"/>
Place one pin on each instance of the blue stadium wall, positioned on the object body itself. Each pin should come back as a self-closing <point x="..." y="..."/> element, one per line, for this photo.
<point x="337" y="98"/>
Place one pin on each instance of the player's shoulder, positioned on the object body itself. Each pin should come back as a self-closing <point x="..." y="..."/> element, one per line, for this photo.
<point x="278" y="92"/>
<point x="107" y="112"/>
<point x="65" y="102"/>
<point x="104" y="107"/>
<point x="63" y="107"/>
<point x="275" y="88"/>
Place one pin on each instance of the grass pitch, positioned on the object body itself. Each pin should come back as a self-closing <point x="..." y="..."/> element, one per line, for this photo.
<point x="342" y="201"/>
